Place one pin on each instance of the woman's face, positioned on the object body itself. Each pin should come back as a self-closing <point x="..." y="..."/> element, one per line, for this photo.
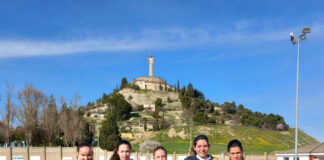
<point x="202" y="148"/>
<point x="124" y="152"/>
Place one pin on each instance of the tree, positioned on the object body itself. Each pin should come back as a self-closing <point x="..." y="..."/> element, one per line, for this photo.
<point x="202" y="118"/>
<point x="145" y="124"/>
<point x="30" y="103"/>
<point x="64" y="118"/>
<point x="210" y="107"/>
<point x="50" y="121"/>
<point x="18" y="134"/>
<point x="158" y="103"/>
<point x="109" y="134"/>
<point x="87" y="134"/>
<point x="124" y="83"/>
<point x="198" y="94"/>
<point x="190" y="91"/>
<point x="156" y="125"/>
<point x="156" y="116"/>
<point x="163" y="123"/>
<point x="229" y="107"/>
<point x="182" y="92"/>
<point x="178" y="86"/>
<point x="71" y="122"/>
<point x="198" y="105"/>
<point x="119" y="107"/>
<point x="186" y="102"/>
<point x="76" y="122"/>
<point x="9" y="115"/>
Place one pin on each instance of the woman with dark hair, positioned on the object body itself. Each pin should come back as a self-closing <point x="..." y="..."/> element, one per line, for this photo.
<point x="122" y="151"/>
<point x="235" y="150"/>
<point x="200" y="148"/>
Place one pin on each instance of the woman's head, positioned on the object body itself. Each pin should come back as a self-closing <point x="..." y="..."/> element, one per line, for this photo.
<point x="122" y="151"/>
<point x="201" y="146"/>
<point x="235" y="150"/>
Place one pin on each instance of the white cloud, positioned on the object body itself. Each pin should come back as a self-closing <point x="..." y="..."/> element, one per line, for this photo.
<point x="147" y="39"/>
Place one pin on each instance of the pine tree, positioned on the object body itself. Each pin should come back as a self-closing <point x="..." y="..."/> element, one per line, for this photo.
<point x="119" y="106"/>
<point x="109" y="134"/>
<point x="124" y="83"/>
<point x="145" y="124"/>
<point x="183" y="91"/>
<point x="178" y="86"/>
<point x="190" y="90"/>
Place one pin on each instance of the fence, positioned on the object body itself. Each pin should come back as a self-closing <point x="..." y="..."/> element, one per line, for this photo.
<point x="69" y="153"/>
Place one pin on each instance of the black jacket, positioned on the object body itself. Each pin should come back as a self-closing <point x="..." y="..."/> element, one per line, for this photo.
<point x="195" y="158"/>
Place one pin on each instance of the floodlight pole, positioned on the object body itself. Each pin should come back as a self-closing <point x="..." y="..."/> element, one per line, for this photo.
<point x="98" y="157"/>
<point x="297" y="100"/>
<point x="300" y="38"/>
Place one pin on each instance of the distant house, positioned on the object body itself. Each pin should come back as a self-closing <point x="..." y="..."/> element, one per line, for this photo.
<point x="311" y="152"/>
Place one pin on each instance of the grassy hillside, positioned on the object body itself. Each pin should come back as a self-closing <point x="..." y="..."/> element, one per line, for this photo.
<point x="255" y="141"/>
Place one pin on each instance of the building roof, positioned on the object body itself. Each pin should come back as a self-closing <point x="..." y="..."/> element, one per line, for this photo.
<point x="151" y="79"/>
<point x="314" y="148"/>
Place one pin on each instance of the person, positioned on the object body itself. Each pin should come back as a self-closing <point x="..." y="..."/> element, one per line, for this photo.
<point x="122" y="151"/>
<point x="160" y="153"/>
<point x="235" y="150"/>
<point x="84" y="151"/>
<point x="200" y="148"/>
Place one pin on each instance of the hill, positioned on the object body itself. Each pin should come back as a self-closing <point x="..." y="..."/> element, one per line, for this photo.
<point x="255" y="141"/>
<point x="168" y="121"/>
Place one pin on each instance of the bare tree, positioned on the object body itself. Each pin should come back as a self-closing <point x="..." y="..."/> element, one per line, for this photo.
<point x="9" y="114"/>
<point x="76" y="123"/>
<point x="31" y="100"/>
<point x="50" y="117"/>
<point x="63" y="120"/>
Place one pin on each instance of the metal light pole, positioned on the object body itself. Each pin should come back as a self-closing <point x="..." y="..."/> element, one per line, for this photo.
<point x="98" y="140"/>
<point x="301" y="37"/>
<point x="97" y="129"/>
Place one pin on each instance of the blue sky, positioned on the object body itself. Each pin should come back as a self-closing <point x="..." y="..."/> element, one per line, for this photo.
<point x="230" y="50"/>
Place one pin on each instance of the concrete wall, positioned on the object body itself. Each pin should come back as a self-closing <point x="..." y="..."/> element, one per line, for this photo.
<point x="69" y="153"/>
<point x="292" y="158"/>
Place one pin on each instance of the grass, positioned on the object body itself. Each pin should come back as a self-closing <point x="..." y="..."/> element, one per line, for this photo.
<point x="183" y="148"/>
<point x="255" y="141"/>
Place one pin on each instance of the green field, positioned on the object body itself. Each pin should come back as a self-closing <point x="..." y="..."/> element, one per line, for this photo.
<point x="255" y="141"/>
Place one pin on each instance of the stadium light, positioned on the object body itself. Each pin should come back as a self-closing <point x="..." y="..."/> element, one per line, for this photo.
<point x="300" y="38"/>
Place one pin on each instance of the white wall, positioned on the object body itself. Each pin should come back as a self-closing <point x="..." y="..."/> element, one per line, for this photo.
<point x="292" y="158"/>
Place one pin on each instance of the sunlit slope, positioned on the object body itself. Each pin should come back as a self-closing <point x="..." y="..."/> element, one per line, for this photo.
<point x="255" y="141"/>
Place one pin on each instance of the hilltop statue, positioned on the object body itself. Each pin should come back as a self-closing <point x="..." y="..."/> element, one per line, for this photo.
<point x="152" y="83"/>
<point x="151" y="61"/>
<point x="155" y="88"/>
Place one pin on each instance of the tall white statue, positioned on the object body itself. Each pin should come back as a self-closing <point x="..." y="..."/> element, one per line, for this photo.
<point x="151" y="61"/>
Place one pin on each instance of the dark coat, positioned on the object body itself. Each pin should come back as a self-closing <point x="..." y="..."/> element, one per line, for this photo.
<point x="195" y="158"/>
<point x="191" y="158"/>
